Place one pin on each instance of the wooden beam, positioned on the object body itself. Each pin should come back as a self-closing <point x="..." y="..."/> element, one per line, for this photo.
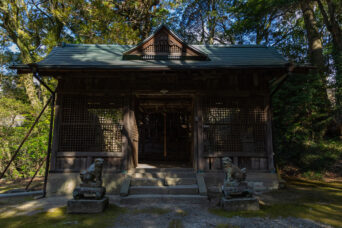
<point x="234" y="154"/>
<point x="90" y="154"/>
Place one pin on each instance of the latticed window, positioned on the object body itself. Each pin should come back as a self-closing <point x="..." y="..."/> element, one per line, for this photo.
<point x="233" y="124"/>
<point x="91" y="124"/>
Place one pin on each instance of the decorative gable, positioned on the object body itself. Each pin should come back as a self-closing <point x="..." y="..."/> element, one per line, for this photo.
<point x="164" y="44"/>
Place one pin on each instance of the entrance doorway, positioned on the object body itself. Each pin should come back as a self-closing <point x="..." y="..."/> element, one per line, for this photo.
<point x="165" y="130"/>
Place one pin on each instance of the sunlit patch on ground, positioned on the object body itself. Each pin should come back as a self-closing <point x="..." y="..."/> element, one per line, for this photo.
<point x="315" y="200"/>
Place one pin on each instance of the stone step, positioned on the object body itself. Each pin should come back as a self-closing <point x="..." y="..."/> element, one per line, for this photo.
<point x="164" y="175"/>
<point x="158" y="198"/>
<point x="171" y="181"/>
<point x="147" y="182"/>
<point x="156" y="170"/>
<point x="173" y="190"/>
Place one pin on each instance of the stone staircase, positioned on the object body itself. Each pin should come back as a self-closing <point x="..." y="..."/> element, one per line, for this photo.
<point x="166" y="185"/>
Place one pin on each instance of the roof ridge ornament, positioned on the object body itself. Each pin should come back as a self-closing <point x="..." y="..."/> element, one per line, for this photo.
<point x="164" y="44"/>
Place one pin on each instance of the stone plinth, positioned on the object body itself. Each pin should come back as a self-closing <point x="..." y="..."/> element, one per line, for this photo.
<point x="236" y="189"/>
<point x="240" y="204"/>
<point x="88" y="192"/>
<point x="86" y="206"/>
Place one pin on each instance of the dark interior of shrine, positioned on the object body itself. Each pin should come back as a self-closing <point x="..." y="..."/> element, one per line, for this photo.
<point x="165" y="130"/>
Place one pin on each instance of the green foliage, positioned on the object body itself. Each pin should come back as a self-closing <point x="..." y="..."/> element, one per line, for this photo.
<point x="16" y="118"/>
<point x="300" y="122"/>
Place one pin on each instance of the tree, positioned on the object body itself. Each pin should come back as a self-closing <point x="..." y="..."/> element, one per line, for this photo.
<point x="332" y="16"/>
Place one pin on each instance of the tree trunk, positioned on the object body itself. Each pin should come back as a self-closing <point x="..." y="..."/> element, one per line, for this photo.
<point x="330" y="20"/>
<point x="316" y="51"/>
<point x="314" y="38"/>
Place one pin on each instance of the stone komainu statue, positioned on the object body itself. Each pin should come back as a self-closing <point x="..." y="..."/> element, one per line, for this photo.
<point x="91" y="186"/>
<point x="234" y="184"/>
<point x="93" y="175"/>
<point x="232" y="172"/>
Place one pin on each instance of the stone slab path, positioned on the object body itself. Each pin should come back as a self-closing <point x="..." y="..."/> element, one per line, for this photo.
<point x="146" y="216"/>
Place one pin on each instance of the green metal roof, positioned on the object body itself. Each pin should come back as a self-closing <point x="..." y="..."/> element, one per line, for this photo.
<point x="98" y="56"/>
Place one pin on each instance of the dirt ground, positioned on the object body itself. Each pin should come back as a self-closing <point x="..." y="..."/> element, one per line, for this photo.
<point x="160" y="215"/>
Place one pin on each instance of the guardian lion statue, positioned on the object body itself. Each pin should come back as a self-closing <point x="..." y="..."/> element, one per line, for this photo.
<point x="93" y="175"/>
<point x="232" y="172"/>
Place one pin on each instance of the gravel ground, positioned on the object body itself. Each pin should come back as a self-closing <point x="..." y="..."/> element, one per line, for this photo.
<point x="146" y="216"/>
<point x="195" y="216"/>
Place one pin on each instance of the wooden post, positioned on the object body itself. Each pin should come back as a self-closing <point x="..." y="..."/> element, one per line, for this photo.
<point x="55" y="140"/>
<point x="125" y="138"/>
<point x="195" y="137"/>
<point x="201" y="159"/>
<point x="49" y="145"/>
<point x="165" y="138"/>
<point x="269" y="139"/>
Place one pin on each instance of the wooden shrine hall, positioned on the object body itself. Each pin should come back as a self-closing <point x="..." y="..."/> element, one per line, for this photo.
<point x="163" y="102"/>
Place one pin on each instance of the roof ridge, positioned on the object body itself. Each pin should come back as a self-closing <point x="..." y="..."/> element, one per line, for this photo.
<point x="193" y="45"/>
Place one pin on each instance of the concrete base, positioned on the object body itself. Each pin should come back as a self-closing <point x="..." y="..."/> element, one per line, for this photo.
<point x="240" y="204"/>
<point x="85" y="206"/>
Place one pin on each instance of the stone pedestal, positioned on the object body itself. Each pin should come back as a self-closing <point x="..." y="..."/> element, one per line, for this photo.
<point x="86" y="206"/>
<point x="236" y="189"/>
<point x="240" y="204"/>
<point x="89" y="192"/>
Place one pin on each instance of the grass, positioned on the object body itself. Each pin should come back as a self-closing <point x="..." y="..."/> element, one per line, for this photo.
<point x="226" y="226"/>
<point x="175" y="223"/>
<point x="315" y="200"/>
<point x="311" y="159"/>
<point x="59" y="218"/>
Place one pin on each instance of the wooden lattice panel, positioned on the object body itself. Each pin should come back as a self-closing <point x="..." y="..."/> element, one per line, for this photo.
<point x="91" y="124"/>
<point x="234" y="125"/>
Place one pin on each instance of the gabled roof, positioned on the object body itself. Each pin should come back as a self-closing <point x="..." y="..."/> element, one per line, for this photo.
<point x="162" y="50"/>
<point x="96" y="56"/>
<point x="163" y="43"/>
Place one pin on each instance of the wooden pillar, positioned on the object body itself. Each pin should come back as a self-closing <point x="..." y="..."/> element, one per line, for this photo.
<point x="56" y="129"/>
<point x="195" y="134"/>
<point x="129" y="138"/>
<point x="200" y="144"/>
<point x="165" y="138"/>
<point x="125" y="137"/>
<point x="269" y="139"/>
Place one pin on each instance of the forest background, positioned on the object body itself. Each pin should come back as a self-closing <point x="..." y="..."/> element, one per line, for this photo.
<point x="307" y="109"/>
